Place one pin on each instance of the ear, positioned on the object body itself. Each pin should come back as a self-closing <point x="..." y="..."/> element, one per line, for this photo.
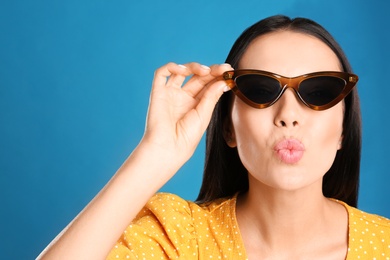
<point x="340" y="145"/>
<point x="228" y="133"/>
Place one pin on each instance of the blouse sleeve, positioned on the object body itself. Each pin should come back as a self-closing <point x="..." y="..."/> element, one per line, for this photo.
<point x="162" y="230"/>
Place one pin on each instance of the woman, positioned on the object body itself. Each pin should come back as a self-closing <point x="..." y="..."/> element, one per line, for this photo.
<point x="282" y="162"/>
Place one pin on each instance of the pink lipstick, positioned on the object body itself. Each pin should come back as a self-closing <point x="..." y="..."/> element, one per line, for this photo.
<point x="289" y="151"/>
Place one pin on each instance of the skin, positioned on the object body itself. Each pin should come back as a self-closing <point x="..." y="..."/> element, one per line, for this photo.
<point x="284" y="214"/>
<point x="293" y="220"/>
<point x="177" y="118"/>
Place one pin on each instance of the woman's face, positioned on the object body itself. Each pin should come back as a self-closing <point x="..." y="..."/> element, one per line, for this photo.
<point x="287" y="146"/>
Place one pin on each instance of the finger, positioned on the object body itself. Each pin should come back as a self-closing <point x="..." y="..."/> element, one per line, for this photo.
<point x="175" y="81"/>
<point x="197" y="119"/>
<point x="215" y="72"/>
<point x="218" y="70"/>
<point x="197" y="83"/>
<point x="208" y="100"/>
<point x="161" y="74"/>
<point x="198" y="70"/>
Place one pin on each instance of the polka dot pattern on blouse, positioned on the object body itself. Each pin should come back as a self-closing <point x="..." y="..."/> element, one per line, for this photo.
<point x="169" y="227"/>
<point x="369" y="235"/>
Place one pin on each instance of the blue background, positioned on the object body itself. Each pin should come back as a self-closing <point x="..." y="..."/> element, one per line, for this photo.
<point x="74" y="87"/>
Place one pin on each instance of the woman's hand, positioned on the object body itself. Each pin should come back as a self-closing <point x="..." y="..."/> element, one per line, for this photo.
<point x="179" y="114"/>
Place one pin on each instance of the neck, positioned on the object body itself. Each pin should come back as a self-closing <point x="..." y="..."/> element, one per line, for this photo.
<point x="285" y="220"/>
<point x="282" y="208"/>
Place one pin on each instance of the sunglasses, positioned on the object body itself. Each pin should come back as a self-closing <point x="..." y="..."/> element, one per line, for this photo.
<point x="318" y="90"/>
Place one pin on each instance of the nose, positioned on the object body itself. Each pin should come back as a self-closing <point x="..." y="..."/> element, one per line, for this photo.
<point x="288" y="110"/>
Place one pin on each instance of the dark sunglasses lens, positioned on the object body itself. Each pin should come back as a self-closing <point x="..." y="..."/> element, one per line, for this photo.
<point x="321" y="90"/>
<point x="258" y="88"/>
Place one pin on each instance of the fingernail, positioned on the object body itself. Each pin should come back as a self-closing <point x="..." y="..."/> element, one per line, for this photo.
<point x="180" y="65"/>
<point x="205" y="67"/>
<point x="227" y="64"/>
<point x="226" y="89"/>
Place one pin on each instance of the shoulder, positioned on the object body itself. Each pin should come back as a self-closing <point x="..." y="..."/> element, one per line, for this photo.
<point x="172" y="227"/>
<point x="165" y="210"/>
<point x="359" y="218"/>
<point x="369" y="234"/>
<point x="168" y="201"/>
<point x="163" y="229"/>
<point x="161" y="202"/>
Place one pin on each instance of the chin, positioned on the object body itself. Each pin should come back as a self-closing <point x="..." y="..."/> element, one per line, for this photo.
<point x="288" y="182"/>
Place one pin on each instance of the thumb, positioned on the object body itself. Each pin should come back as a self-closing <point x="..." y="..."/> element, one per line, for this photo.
<point x="208" y="101"/>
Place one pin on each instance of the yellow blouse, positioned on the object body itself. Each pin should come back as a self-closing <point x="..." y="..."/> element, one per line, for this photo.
<point x="171" y="228"/>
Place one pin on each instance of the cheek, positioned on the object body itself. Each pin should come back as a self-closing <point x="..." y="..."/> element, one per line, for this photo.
<point x="252" y="129"/>
<point x="247" y="123"/>
<point x="325" y="139"/>
<point x="332" y="126"/>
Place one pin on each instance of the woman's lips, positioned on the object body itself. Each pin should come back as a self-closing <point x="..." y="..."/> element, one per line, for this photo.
<point x="289" y="150"/>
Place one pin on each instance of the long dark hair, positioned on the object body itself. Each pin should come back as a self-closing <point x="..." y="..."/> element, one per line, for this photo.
<point x="224" y="173"/>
